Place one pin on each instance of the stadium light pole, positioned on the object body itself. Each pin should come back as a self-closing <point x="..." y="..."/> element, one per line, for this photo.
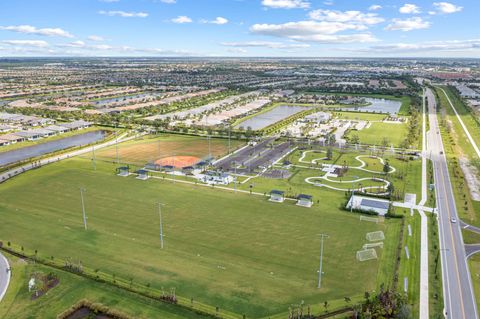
<point x="93" y="159"/>
<point x="116" y="142"/>
<point x="161" y="222"/>
<point x="322" y="236"/>
<point x="83" y="208"/>
<point x="209" y="148"/>
<point x="229" y="137"/>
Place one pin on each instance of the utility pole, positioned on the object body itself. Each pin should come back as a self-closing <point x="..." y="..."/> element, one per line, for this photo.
<point x="229" y="137"/>
<point x="161" y="223"/>
<point x="209" y="148"/>
<point x="83" y="208"/>
<point x="322" y="236"/>
<point x="235" y="184"/>
<point x="116" y="142"/>
<point x="93" y="159"/>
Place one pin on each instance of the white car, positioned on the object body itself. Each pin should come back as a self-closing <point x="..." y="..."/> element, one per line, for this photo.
<point x="453" y="220"/>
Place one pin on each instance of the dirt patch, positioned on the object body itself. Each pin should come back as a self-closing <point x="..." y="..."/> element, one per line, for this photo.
<point x="87" y="313"/>
<point x="471" y="176"/>
<point x="178" y="161"/>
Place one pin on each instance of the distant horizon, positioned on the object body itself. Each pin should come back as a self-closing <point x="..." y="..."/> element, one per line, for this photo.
<point x="243" y="57"/>
<point x="240" y="28"/>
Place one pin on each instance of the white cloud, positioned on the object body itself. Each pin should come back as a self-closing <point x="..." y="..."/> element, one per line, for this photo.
<point x="374" y="7"/>
<point x="446" y="7"/>
<point x="181" y="19"/>
<point x="95" y="38"/>
<point x="409" y="24"/>
<point x="266" y="44"/>
<point x="453" y="45"/>
<point x="74" y="44"/>
<point x="218" y="20"/>
<point x="237" y="50"/>
<point x="409" y="8"/>
<point x="286" y="4"/>
<point x="124" y="14"/>
<point x="313" y="31"/>
<point x="28" y="29"/>
<point x="169" y="1"/>
<point x="28" y="43"/>
<point x="345" y="16"/>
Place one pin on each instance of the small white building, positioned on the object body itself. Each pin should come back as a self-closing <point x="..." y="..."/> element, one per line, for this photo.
<point x="277" y="196"/>
<point x="318" y="118"/>
<point x="216" y="178"/>
<point x="369" y="204"/>
<point x="305" y="200"/>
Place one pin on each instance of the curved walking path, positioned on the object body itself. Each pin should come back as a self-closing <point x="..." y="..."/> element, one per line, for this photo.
<point x="313" y="180"/>
<point x="4" y="275"/>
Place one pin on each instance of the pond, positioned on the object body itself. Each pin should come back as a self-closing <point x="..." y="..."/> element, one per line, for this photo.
<point x="27" y="152"/>
<point x="125" y="99"/>
<point x="377" y="106"/>
<point x="268" y="118"/>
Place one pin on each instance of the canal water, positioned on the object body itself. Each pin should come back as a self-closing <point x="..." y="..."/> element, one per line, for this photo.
<point x="268" y="118"/>
<point x="27" y="152"/>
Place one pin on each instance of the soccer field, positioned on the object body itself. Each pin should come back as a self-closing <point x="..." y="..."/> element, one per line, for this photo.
<point x="235" y="251"/>
<point x="152" y="148"/>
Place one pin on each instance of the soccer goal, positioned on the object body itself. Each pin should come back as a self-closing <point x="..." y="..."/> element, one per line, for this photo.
<point x="368" y="219"/>
<point x="375" y="236"/>
<point x="373" y="245"/>
<point x="366" y="254"/>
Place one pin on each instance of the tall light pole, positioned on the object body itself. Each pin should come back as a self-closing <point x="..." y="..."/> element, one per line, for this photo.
<point x="322" y="236"/>
<point x="93" y="158"/>
<point x="161" y="223"/>
<point x="83" y="208"/>
<point x="209" y="148"/>
<point x="116" y="142"/>
<point x="229" y="137"/>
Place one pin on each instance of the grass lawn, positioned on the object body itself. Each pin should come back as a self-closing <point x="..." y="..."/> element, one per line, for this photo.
<point x="375" y="134"/>
<point x="18" y="303"/>
<point x="474" y="265"/>
<point x="360" y="116"/>
<point x="151" y="148"/>
<point x="406" y="178"/>
<point x="235" y="251"/>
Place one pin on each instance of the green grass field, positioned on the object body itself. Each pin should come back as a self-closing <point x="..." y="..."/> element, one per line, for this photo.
<point x="374" y="135"/>
<point x="235" y="251"/>
<point x="152" y="147"/>
<point x="18" y="303"/>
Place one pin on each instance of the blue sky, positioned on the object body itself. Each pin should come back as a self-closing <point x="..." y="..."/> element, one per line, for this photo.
<point x="311" y="28"/>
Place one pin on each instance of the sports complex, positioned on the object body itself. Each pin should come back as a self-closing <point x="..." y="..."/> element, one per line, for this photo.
<point x="257" y="257"/>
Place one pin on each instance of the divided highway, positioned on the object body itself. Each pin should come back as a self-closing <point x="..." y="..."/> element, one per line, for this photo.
<point x="458" y="292"/>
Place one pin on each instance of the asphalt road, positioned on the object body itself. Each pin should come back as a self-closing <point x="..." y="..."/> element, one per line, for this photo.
<point x="458" y="292"/>
<point x="4" y="276"/>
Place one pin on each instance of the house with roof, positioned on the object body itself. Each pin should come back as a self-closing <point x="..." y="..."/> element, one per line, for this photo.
<point x="277" y="196"/>
<point x="56" y="129"/>
<point x="4" y="142"/>
<point x="369" y="204"/>
<point x="217" y="178"/>
<point x="76" y="125"/>
<point x="305" y="200"/>
<point x="29" y="135"/>
<point x="12" y="138"/>
<point x="43" y="132"/>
